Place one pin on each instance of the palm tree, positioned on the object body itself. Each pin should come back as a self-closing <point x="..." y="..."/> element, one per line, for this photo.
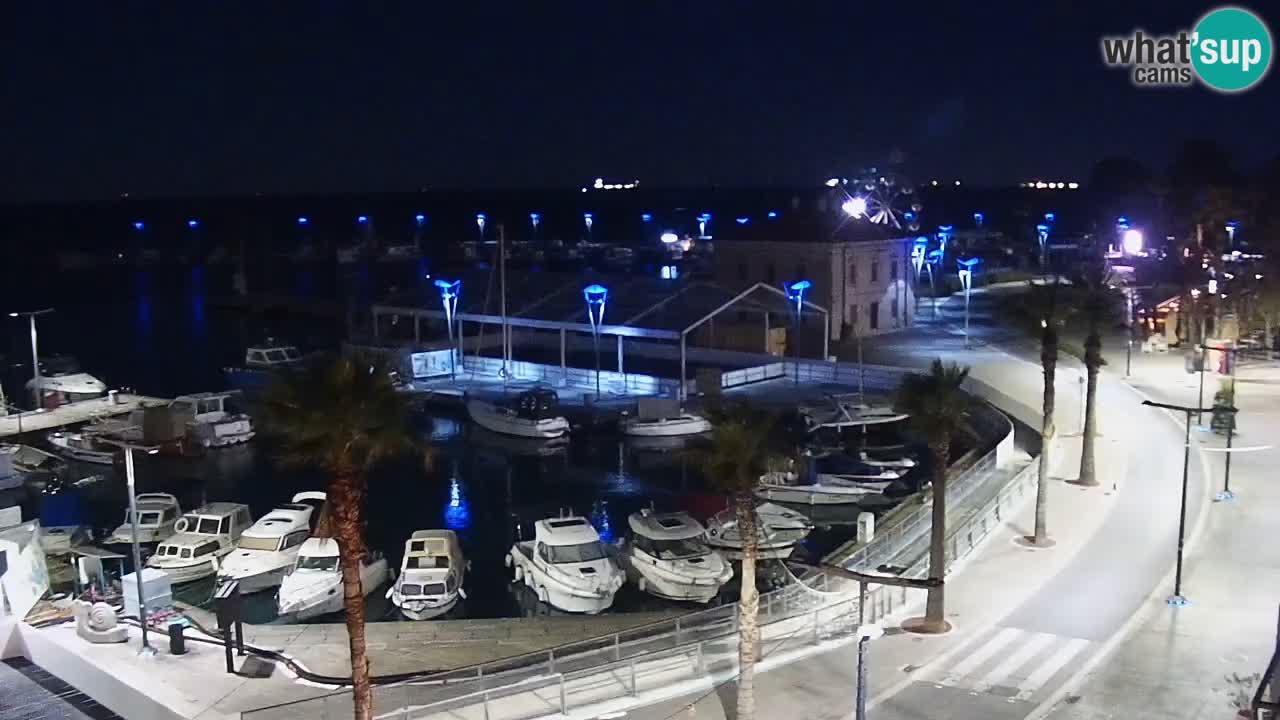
<point x="739" y="453"/>
<point x="936" y="405"/>
<point x="1096" y="304"/>
<point x="1045" y="303"/>
<point x="344" y="416"/>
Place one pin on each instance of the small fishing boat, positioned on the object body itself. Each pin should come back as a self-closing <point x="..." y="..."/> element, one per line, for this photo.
<point x="82" y="447"/>
<point x="845" y="413"/>
<point x="431" y="575"/>
<point x="202" y="538"/>
<point x="261" y="363"/>
<point x="62" y="381"/>
<point x="778" y="530"/>
<point x="567" y="566"/>
<point x="787" y="488"/>
<point x="666" y="555"/>
<point x="157" y="515"/>
<point x="674" y="426"/>
<point x="314" y="588"/>
<point x="209" y="421"/>
<point x="533" y="414"/>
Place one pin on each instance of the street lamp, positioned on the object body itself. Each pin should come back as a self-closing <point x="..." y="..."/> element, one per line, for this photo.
<point x="1232" y="226"/>
<point x="1225" y="494"/>
<point x="933" y="258"/>
<point x="966" y="266"/>
<point x="1177" y="599"/>
<point x="596" y="297"/>
<point x="1042" y="232"/>
<point x="944" y="234"/>
<point x="855" y="207"/>
<point x="866" y="633"/>
<point x="35" y="353"/>
<point x="1131" y="241"/>
<point x="795" y="293"/>
<point x="449" y="292"/>
<point x="146" y="648"/>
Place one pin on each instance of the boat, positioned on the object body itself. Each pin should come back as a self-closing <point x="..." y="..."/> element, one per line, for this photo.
<point x="314" y="587"/>
<point x="11" y="476"/>
<point x="81" y="446"/>
<point x="202" y="538"/>
<point x="567" y="566"/>
<point x="778" y="530"/>
<point x="157" y="515"/>
<point x="682" y="424"/>
<point x="787" y="488"/>
<point x="261" y="363"/>
<point x="266" y="551"/>
<point x="899" y="461"/>
<point x="209" y="423"/>
<point x="431" y="575"/>
<point x="62" y="381"/>
<point x="532" y="413"/>
<point x="839" y="467"/>
<point x="843" y="413"/>
<point x="666" y="555"/>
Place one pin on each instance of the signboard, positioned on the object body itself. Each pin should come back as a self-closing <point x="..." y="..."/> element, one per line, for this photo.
<point x="431" y="364"/>
<point x="27" y="578"/>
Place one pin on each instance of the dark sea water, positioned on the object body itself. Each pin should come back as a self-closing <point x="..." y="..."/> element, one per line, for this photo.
<point x="163" y="333"/>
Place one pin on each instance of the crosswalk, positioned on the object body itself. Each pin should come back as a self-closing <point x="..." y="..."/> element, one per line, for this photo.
<point x="1013" y="663"/>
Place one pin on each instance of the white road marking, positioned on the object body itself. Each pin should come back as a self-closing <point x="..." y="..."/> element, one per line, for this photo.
<point x="979" y="656"/>
<point x="1019" y="658"/>
<point x="1049" y="668"/>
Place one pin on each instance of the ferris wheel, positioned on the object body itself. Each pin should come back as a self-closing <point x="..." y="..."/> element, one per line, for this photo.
<point x="882" y="199"/>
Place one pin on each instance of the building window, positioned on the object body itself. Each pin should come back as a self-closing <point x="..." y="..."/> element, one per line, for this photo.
<point x="772" y="276"/>
<point x="875" y="314"/>
<point x="875" y="270"/>
<point x="853" y="272"/>
<point x="893" y="307"/>
<point x="893" y="268"/>
<point x="742" y="272"/>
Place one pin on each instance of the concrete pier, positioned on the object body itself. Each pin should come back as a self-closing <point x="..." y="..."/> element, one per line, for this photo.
<point x="73" y="413"/>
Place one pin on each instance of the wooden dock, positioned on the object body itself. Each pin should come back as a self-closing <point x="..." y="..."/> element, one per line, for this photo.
<point x="74" y="413"/>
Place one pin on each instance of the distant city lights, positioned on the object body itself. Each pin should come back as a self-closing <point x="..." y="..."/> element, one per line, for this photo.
<point x="302" y="220"/>
<point x="1054" y="185"/>
<point x="363" y="219"/>
<point x="420" y="218"/>
<point x="600" y="184"/>
<point x="646" y="217"/>
<point x="773" y="214"/>
<point x="669" y="237"/>
<point x="832" y="182"/>
<point x="139" y="225"/>
<point x="193" y="223"/>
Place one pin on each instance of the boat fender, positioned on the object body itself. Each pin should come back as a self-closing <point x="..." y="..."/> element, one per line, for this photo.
<point x="641" y="583"/>
<point x="543" y="595"/>
<point x="181" y="526"/>
<point x="519" y="573"/>
<point x="390" y="590"/>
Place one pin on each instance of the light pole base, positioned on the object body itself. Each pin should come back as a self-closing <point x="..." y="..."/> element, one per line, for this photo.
<point x="1177" y="601"/>
<point x="146" y="651"/>
<point x="1224" y="496"/>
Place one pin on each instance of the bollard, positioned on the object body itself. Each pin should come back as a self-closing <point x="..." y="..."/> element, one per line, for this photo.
<point x="177" y="641"/>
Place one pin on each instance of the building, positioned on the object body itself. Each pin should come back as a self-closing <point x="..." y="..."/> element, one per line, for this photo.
<point x="860" y="271"/>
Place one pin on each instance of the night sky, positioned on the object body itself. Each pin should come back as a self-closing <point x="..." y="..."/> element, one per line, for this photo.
<point x="202" y="97"/>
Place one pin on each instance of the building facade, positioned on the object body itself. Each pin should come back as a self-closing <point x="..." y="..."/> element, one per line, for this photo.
<point x="860" y="273"/>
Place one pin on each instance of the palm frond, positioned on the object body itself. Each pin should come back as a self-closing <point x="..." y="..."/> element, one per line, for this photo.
<point x="934" y="400"/>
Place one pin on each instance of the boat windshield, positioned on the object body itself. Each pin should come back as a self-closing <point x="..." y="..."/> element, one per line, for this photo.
<point x="277" y="356"/>
<point x="144" y="518"/>
<point x="206" y="526"/>
<point x="678" y="549"/>
<point x="259" y="543"/>
<point x="326" y="562"/>
<point x="409" y="590"/>
<point x="584" y="552"/>
<point x="292" y="353"/>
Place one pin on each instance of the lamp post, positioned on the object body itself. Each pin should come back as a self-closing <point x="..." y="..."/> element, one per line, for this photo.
<point x="1177" y="599"/>
<point x="449" y="292"/>
<point x="1225" y="494"/>
<point x="1042" y="232"/>
<point x="933" y="258"/>
<point x="795" y="293"/>
<point x="944" y="234"/>
<point x="965" y="271"/>
<point x="146" y="648"/>
<point x="35" y="353"/>
<point x="866" y="633"/>
<point x="596" y="297"/>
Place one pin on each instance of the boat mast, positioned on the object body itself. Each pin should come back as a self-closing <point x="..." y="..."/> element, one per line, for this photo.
<point x="502" y="282"/>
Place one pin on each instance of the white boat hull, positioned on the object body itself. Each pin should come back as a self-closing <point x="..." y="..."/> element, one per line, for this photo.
<point x="699" y="590"/>
<point x="422" y="610"/>
<point x="256" y="581"/>
<point x="813" y="495"/>
<point x="146" y="536"/>
<point x="326" y="598"/>
<point x="75" y="453"/>
<point x="190" y="572"/>
<point x="677" y="427"/>
<point x="486" y="416"/>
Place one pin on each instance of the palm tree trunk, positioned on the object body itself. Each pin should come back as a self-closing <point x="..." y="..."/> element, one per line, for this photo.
<point x="1092" y="361"/>
<point x="748" y="609"/>
<point x="935" y="608"/>
<point x="1049" y="361"/>
<point x="346" y="494"/>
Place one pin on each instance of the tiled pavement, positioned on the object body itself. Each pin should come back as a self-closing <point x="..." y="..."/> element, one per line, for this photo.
<point x="27" y="692"/>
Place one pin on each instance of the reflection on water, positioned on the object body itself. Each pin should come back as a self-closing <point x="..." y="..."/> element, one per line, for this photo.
<point x="457" y="515"/>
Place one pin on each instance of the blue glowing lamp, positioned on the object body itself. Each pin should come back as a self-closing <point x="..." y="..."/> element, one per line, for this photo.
<point x="669" y="238"/>
<point x="449" y="292"/>
<point x="933" y="257"/>
<point x="742" y="220"/>
<point x="302" y="220"/>
<point x="535" y="218"/>
<point x="193" y="223"/>
<point x="796" y="290"/>
<point x="1043" y="230"/>
<point x="773" y="214"/>
<point x="362" y="219"/>
<point x="945" y="229"/>
<point x="596" y="297"/>
<point x="978" y="218"/>
<point x="1050" y="218"/>
<point x="138" y="225"/>
<point x="420" y="218"/>
<point x="965" y="268"/>
<point x="705" y="216"/>
<point x="1122" y="220"/>
<point x="646" y="217"/>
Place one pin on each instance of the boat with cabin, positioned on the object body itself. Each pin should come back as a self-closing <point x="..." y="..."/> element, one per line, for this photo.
<point x="666" y="554"/>
<point x="209" y="420"/>
<point x="843" y="412"/>
<point x="431" y="575"/>
<point x="567" y="566"/>
<point x="663" y="417"/>
<point x="314" y="587"/>
<point x="157" y="515"/>
<point x="84" y="447"/>
<point x="778" y="531"/>
<point x="266" y="552"/>
<point x="62" y="381"/>
<point x="261" y="362"/>
<point x="201" y="539"/>
<point x="533" y="413"/>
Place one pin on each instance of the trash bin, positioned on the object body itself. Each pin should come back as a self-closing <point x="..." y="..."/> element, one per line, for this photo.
<point x="177" y="641"/>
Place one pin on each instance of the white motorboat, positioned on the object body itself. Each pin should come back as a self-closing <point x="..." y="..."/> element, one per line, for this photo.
<point x="786" y="487"/>
<point x="666" y="555"/>
<point x="567" y="566"/>
<point x="778" y="530"/>
<point x="843" y="413"/>
<point x="314" y="588"/>
<point x="900" y="462"/>
<point x="157" y="514"/>
<point x="533" y="413"/>
<point x="82" y="447"/>
<point x="267" y="550"/>
<point x="209" y="423"/>
<point x="203" y="537"/>
<point x="61" y="381"/>
<point x="431" y="575"/>
<point x="674" y="426"/>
